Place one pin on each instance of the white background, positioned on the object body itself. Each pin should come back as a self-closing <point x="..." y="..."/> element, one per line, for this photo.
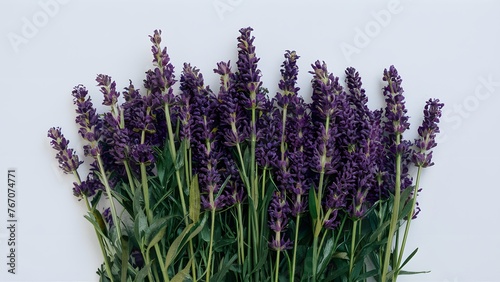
<point x="447" y="49"/>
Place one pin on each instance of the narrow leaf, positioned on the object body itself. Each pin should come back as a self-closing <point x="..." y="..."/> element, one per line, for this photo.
<point x="183" y="275"/>
<point x="179" y="242"/>
<point x="156" y="231"/>
<point x="408" y="259"/>
<point x="313" y="203"/>
<point x="220" y="276"/>
<point x="124" y="258"/>
<point x="141" y="275"/>
<point x="194" y="200"/>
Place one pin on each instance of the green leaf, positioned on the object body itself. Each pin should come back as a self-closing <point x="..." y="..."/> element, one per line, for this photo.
<point x="156" y="231"/>
<point x="143" y="273"/>
<point x="313" y="203"/>
<point x="381" y="229"/>
<point x="222" y="187"/>
<point x="404" y="272"/>
<point x="340" y="255"/>
<point x="326" y="255"/>
<point x="179" y="242"/>
<point x="221" y="244"/>
<point x="100" y="221"/>
<point x="140" y="225"/>
<point x="91" y="219"/>
<point x="124" y="258"/>
<point x="194" y="200"/>
<point x="408" y="259"/>
<point x="183" y="275"/>
<point x="162" y="199"/>
<point x="220" y="276"/>
<point x="308" y="264"/>
<point x="138" y="199"/>
<point x="366" y="275"/>
<point x="96" y="199"/>
<point x="179" y="162"/>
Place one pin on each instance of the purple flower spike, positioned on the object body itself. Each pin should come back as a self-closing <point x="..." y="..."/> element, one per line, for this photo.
<point x="325" y="89"/>
<point x="397" y="120"/>
<point x="67" y="158"/>
<point x="422" y="156"/>
<point x="142" y="153"/>
<point x="108" y="89"/>
<point x="161" y="79"/>
<point x="278" y="221"/>
<point x="88" y="119"/>
<point x="233" y="123"/>
<point x="248" y="73"/>
<point x="287" y="84"/>
<point x="88" y="187"/>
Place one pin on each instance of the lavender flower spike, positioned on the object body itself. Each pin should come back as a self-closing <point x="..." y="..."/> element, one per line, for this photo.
<point x="87" y="118"/>
<point x="422" y="156"/>
<point x="395" y="109"/>
<point x="67" y="158"/>
<point x="278" y="221"/>
<point x="87" y="188"/>
<point x="162" y="77"/>
<point x="108" y="89"/>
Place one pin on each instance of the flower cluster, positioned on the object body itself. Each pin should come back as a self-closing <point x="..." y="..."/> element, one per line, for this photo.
<point x="235" y="185"/>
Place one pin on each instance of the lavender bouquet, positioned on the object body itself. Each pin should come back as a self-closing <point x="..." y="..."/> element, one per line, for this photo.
<point x="188" y="184"/>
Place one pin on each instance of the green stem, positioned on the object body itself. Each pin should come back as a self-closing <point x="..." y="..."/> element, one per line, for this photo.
<point x="315" y="255"/>
<point x="353" y="247"/>
<point x="147" y="261"/>
<point x="410" y="217"/>
<point x="317" y="224"/>
<point x="149" y="214"/>
<point x="395" y="213"/>
<point x="173" y="155"/>
<point x="110" y="195"/>
<point x="99" y="239"/>
<point x="241" y="242"/>
<point x="129" y="176"/>
<point x="243" y="168"/>
<point x="295" y="243"/>
<point x="209" y="264"/>
<point x="277" y="266"/>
